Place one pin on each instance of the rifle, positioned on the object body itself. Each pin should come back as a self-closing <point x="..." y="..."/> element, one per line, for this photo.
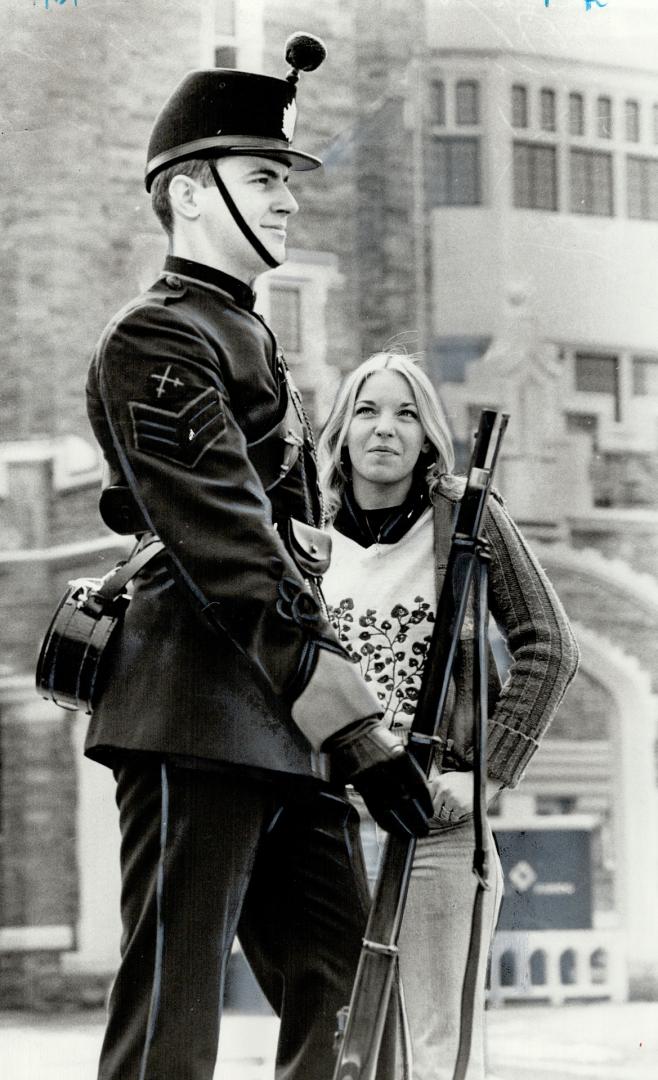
<point x="360" y="1032"/>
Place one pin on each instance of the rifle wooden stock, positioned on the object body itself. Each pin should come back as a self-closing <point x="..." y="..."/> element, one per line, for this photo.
<point x="359" y="1051"/>
<point x="361" y="1041"/>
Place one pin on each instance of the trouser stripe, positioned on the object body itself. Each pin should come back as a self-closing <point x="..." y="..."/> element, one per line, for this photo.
<point x="159" y="938"/>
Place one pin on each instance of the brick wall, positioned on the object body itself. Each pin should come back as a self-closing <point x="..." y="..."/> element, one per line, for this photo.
<point x="38" y="802"/>
<point x="80" y="88"/>
<point x="360" y="206"/>
<point x="38" y="870"/>
<point x="386" y="39"/>
<point x="326" y="221"/>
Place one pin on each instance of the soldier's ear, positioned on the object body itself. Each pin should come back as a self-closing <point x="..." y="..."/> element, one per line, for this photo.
<point x="184" y="196"/>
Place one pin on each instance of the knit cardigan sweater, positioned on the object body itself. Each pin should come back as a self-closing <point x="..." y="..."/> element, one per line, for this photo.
<point x="382" y="600"/>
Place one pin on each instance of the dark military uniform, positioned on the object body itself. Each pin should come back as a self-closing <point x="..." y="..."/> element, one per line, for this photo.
<point x="228" y="821"/>
<point x="227" y="681"/>
<point x="195" y="384"/>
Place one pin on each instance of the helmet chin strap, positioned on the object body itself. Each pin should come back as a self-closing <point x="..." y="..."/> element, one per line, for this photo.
<point x="239" y="220"/>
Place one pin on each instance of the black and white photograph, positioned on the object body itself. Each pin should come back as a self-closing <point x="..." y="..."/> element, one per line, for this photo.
<point x="329" y="540"/>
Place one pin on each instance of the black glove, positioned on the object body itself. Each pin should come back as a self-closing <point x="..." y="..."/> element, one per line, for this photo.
<point x="390" y="781"/>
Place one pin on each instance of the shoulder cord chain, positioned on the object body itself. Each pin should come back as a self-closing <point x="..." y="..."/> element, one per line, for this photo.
<point x="309" y="440"/>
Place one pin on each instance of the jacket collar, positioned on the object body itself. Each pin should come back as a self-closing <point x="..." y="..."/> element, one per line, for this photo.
<point x="237" y="290"/>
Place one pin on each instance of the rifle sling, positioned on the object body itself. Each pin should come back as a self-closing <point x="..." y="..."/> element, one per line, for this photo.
<point x="480" y="852"/>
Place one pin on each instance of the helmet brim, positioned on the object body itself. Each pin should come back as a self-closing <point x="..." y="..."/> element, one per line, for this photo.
<point x="298" y="160"/>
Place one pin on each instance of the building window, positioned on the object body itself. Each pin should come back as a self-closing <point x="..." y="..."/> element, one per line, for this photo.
<point x="455" y="172"/>
<point x="547" y="109"/>
<point x="438" y="102"/>
<point x="583" y="423"/>
<point x="467" y="102"/>
<point x="535" y="176"/>
<point x="555" y="804"/>
<point x="632" y="121"/>
<point x="225" y="53"/>
<point x="604" y="117"/>
<point x="449" y="357"/>
<point x="286" y="304"/>
<point x="576" y="114"/>
<point x="591" y="182"/>
<point x="519" y="106"/>
<point x="642" y="187"/>
<point x="599" y="374"/>
<point x="225" y="56"/>
<point x="645" y="376"/>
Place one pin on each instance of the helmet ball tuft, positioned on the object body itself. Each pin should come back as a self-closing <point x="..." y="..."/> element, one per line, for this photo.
<point x="305" y="52"/>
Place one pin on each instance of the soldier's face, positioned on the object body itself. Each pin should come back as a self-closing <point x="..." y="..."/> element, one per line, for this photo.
<point x="259" y="188"/>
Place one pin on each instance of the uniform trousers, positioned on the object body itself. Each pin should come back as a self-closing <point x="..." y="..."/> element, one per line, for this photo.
<point x="206" y="855"/>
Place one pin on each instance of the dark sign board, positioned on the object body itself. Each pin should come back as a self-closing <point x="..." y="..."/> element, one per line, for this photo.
<point x="548" y="878"/>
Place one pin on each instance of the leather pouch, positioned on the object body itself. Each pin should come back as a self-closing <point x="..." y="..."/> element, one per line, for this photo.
<point x="309" y="547"/>
<point x="120" y="512"/>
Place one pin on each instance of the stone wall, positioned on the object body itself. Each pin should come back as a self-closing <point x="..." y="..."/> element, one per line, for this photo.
<point x="384" y="162"/>
<point x="39" y="875"/>
<point x="38" y="871"/>
<point x="80" y="87"/>
<point x="326" y="221"/>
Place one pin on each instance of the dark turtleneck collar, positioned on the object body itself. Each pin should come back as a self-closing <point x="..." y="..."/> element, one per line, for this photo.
<point x="383" y="526"/>
<point x="241" y="293"/>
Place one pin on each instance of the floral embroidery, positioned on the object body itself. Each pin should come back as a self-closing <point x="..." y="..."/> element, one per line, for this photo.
<point x="388" y="660"/>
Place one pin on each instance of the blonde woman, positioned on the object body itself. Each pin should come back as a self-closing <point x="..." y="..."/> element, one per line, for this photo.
<point x="386" y="462"/>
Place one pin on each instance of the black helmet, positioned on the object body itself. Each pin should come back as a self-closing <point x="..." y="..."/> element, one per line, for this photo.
<point x="222" y="111"/>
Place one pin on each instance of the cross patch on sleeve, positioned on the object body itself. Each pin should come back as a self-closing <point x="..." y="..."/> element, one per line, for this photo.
<point x="160" y="382"/>
<point x="182" y="436"/>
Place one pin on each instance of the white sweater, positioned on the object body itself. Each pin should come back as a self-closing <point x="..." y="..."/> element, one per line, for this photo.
<point x="382" y="601"/>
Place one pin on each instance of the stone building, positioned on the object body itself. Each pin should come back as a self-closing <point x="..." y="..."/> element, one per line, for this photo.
<point x="489" y="198"/>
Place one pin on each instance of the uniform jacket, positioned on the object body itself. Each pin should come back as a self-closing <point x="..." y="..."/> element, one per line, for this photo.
<point x="223" y="635"/>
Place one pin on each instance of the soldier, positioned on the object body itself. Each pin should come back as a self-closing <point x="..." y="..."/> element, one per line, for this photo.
<point x="229" y="695"/>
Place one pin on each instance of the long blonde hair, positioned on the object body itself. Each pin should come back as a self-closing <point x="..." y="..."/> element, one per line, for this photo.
<point x="440" y="456"/>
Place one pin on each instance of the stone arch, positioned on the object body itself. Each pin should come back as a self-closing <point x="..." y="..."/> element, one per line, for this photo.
<point x="607" y="595"/>
<point x="588" y="712"/>
<point x="633" y="777"/>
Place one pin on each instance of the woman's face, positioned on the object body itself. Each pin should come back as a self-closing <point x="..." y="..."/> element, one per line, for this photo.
<point x="384" y="440"/>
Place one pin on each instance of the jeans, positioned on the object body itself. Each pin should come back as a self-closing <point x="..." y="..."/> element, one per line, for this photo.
<point x="434" y="943"/>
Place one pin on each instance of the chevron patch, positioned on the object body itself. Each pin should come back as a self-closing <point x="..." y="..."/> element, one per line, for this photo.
<point x="183" y="436"/>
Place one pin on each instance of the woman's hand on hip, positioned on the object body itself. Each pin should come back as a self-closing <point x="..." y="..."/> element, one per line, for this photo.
<point x="452" y="794"/>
